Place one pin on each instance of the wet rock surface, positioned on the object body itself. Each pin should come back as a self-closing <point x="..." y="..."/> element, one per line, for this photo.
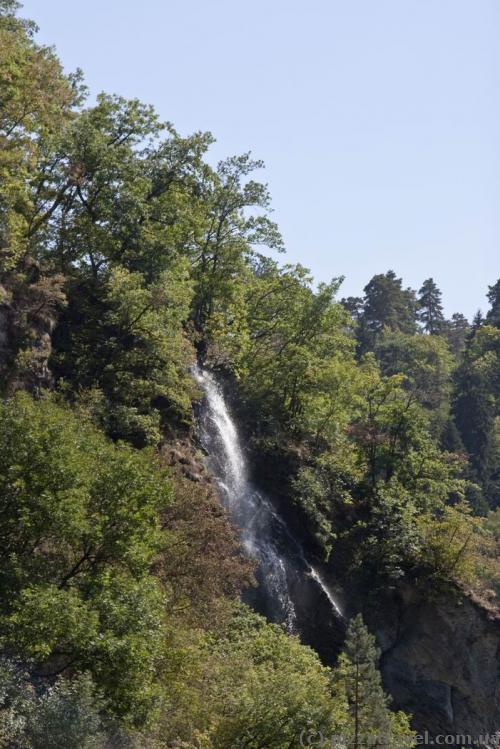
<point x="441" y="662"/>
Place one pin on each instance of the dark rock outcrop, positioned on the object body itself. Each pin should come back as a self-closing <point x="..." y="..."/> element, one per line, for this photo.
<point x="29" y="309"/>
<point x="441" y="661"/>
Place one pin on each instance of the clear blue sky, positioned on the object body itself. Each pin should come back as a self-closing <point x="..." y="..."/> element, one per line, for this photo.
<point x="378" y="120"/>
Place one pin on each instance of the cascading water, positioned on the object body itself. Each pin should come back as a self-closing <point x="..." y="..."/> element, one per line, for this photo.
<point x="283" y="573"/>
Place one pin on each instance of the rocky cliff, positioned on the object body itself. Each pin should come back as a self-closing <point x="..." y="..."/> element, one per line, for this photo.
<point x="29" y="309"/>
<point x="441" y="661"/>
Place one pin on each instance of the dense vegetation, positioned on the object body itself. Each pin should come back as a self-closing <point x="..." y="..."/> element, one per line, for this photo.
<point x="124" y="255"/>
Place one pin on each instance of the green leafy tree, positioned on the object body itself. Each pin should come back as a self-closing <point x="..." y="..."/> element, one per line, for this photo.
<point x="354" y="306"/>
<point x="362" y="492"/>
<point x="299" y="360"/>
<point x="80" y="532"/>
<point x="476" y="407"/>
<point x="427" y="364"/>
<point x="391" y="434"/>
<point x="131" y="196"/>
<point x="491" y="573"/>
<point x="126" y="339"/>
<point x="224" y="249"/>
<point x="325" y="488"/>
<point x="66" y="713"/>
<point x="36" y="103"/>
<point x="400" y="474"/>
<point x="458" y="546"/>
<point x="262" y="688"/>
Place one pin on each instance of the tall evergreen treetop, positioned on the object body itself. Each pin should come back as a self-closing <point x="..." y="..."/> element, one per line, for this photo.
<point x="372" y="722"/>
<point x="430" y="309"/>
<point x="493" y="314"/>
<point x="386" y="306"/>
<point x="477" y="321"/>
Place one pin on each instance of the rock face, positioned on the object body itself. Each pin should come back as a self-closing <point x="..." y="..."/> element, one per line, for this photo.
<point x="29" y="310"/>
<point x="441" y="662"/>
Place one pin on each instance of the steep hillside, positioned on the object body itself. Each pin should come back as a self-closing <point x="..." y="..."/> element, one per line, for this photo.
<point x="371" y="424"/>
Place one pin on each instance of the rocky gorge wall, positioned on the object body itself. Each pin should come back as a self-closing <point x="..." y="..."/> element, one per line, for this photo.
<point x="441" y="661"/>
<point x="29" y="310"/>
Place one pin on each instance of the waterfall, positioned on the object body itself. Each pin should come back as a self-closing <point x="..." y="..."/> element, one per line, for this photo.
<point x="282" y="568"/>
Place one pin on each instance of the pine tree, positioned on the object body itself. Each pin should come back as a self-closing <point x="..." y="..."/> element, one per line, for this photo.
<point x="430" y="309"/>
<point x="359" y="677"/>
<point x="386" y="306"/>
<point x="477" y="321"/>
<point x="456" y="330"/>
<point x="353" y="305"/>
<point x="493" y="315"/>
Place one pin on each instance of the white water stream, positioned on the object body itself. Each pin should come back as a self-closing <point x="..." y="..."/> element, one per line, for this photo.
<point x="264" y="534"/>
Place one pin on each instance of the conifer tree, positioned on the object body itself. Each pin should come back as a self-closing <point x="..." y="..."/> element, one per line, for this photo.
<point x="493" y="314"/>
<point x="430" y="309"/>
<point x="387" y="306"/>
<point x="359" y="677"/>
<point x="456" y="330"/>
<point x="477" y="320"/>
<point x="353" y="305"/>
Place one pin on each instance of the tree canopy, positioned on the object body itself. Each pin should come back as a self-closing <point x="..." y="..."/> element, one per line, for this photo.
<point x="125" y="256"/>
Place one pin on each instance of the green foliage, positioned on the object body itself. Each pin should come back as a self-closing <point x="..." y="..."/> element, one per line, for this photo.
<point x="66" y="714"/>
<point x="127" y="341"/>
<point x="251" y="685"/>
<point x="493" y="315"/>
<point x="476" y="408"/>
<point x="427" y="365"/>
<point x="490" y="572"/>
<point x="456" y="330"/>
<point x="126" y="201"/>
<point x="370" y="720"/>
<point x="322" y="490"/>
<point x="386" y="305"/>
<point x="299" y="363"/>
<point x="279" y="688"/>
<point x="458" y="546"/>
<point x="80" y="531"/>
<point x="392" y="437"/>
<point x="430" y="309"/>
<point x="36" y="101"/>
<point x="224" y="248"/>
<point x="204" y="567"/>
<point x="122" y="254"/>
<point x="362" y="494"/>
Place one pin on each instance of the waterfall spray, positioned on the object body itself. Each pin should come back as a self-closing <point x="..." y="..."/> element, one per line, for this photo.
<point x="265" y="535"/>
